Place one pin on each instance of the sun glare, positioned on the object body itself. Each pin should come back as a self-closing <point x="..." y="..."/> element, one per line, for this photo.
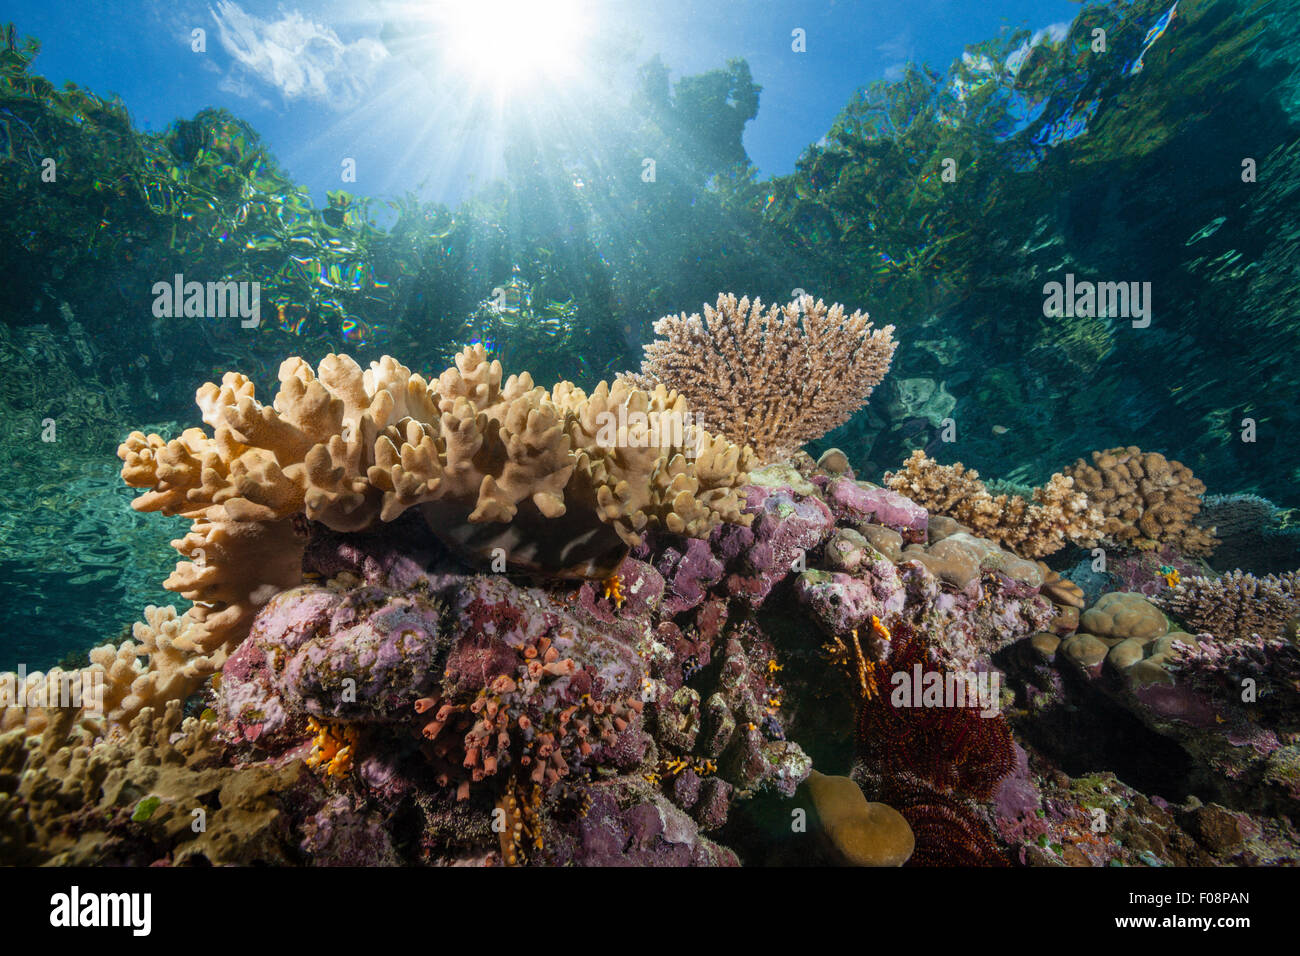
<point x="509" y="44"/>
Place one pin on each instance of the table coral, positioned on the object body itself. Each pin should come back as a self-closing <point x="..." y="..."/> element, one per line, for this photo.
<point x="771" y="378"/>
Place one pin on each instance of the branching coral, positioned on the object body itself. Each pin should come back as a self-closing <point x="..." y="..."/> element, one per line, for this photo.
<point x="1236" y="605"/>
<point x="1146" y="500"/>
<point x="771" y="378"/>
<point x="1031" y="527"/>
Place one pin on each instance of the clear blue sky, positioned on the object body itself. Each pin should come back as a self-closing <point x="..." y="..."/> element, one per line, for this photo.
<point x="321" y="80"/>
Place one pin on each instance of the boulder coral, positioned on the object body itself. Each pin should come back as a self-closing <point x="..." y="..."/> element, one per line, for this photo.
<point x="857" y="832"/>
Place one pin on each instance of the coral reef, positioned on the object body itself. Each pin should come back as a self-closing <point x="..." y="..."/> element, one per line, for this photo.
<point x="771" y="378"/>
<point x="555" y="482"/>
<point x="1236" y="605"/>
<point x="1146" y="500"/>
<point x="394" y="701"/>
<point x="1032" y="527"/>
<point x="1216" y="715"/>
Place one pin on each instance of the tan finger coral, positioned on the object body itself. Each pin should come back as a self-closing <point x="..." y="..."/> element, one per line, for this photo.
<point x="1032" y="527"/>
<point x="771" y="378"/>
<point x="1146" y="500"/>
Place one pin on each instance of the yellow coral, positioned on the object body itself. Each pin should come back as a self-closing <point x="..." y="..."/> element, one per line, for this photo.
<point x="520" y="830"/>
<point x="333" y="747"/>
<point x="854" y="662"/>
<point x="613" y="590"/>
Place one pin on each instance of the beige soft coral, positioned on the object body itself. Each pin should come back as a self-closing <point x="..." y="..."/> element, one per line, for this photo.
<point x="558" y="482"/>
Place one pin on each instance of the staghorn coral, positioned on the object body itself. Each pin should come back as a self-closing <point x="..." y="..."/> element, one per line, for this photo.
<point x="1236" y="605"/>
<point x="772" y="378"/>
<point x="1031" y="527"/>
<point x="1146" y="500"/>
<point x="561" y="483"/>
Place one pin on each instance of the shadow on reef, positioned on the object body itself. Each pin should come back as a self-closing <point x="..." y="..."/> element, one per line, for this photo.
<point x="1091" y="734"/>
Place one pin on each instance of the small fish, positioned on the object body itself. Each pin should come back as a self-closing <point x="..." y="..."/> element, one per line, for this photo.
<point x="1000" y="429"/>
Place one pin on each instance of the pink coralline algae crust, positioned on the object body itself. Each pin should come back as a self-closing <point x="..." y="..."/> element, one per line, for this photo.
<point x="627" y="825"/>
<point x="688" y="573"/>
<point x="842" y="602"/>
<point x="637" y="722"/>
<point x="786" y="526"/>
<point x="370" y="659"/>
<point x="852" y="502"/>
<point x="253" y="713"/>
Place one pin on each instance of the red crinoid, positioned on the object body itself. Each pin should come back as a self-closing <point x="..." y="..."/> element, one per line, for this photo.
<point x="948" y="830"/>
<point x="953" y="748"/>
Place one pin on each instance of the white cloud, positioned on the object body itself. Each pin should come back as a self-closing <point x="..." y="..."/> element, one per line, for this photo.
<point x="1053" y="33"/>
<point x="300" y="58"/>
<point x="900" y="47"/>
